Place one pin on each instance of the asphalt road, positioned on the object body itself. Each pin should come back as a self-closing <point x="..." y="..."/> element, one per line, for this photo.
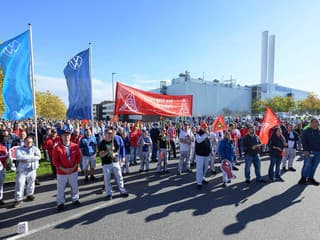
<point x="170" y="207"/>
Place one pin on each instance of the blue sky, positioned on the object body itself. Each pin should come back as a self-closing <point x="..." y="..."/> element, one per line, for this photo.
<point x="147" y="41"/>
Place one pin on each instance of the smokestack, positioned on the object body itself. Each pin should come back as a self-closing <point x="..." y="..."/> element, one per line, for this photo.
<point x="272" y="40"/>
<point x="264" y="56"/>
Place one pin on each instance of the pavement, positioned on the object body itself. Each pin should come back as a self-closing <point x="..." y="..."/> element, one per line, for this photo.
<point x="169" y="206"/>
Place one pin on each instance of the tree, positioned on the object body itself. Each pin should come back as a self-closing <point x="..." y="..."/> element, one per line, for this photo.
<point x="258" y="106"/>
<point x="50" y="106"/>
<point x="311" y="104"/>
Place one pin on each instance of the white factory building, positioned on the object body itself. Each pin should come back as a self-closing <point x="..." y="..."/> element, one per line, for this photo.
<point x="210" y="97"/>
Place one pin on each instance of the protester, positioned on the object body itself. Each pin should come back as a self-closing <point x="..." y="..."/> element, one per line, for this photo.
<point x="292" y="139"/>
<point x="66" y="157"/>
<point x="3" y="165"/>
<point x="311" y="153"/>
<point x="88" y="146"/>
<point x="109" y="150"/>
<point x="203" y="150"/>
<point x="276" y="146"/>
<point x="27" y="157"/>
<point x="185" y="139"/>
<point x="251" y="146"/>
<point x="163" y="146"/>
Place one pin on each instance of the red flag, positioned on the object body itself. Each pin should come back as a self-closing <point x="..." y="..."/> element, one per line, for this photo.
<point x="134" y="101"/>
<point x="270" y="120"/>
<point x="219" y="124"/>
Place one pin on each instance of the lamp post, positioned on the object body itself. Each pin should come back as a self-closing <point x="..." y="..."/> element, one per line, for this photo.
<point x="113" y="86"/>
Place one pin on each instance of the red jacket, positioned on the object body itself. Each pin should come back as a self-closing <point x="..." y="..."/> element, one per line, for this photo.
<point x="60" y="159"/>
<point x="3" y="155"/>
<point x="50" y="143"/>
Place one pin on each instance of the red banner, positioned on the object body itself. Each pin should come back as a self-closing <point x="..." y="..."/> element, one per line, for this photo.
<point x="219" y="124"/>
<point x="130" y="100"/>
<point x="270" y="120"/>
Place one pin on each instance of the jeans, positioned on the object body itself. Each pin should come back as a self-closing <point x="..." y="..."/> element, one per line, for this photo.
<point x="310" y="164"/>
<point x="154" y="151"/>
<point x="133" y="153"/>
<point x="257" y="166"/>
<point x="274" y="161"/>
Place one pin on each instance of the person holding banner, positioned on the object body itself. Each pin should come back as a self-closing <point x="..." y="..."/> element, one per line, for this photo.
<point x="276" y="146"/>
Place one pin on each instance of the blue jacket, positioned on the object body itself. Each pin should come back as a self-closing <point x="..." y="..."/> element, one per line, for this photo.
<point x="88" y="145"/>
<point x="119" y="141"/>
<point x="226" y="150"/>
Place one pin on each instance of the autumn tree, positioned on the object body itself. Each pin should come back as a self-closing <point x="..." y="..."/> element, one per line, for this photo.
<point x="50" y="106"/>
<point x="311" y="104"/>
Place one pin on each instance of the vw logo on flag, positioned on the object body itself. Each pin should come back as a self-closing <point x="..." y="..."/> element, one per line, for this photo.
<point x="11" y="48"/>
<point x="75" y="63"/>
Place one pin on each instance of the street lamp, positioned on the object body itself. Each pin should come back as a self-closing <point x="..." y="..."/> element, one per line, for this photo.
<point x="113" y="86"/>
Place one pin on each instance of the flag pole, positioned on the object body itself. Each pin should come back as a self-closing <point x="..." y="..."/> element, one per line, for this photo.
<point x="91" y="85"/>
<point x="33" y="85"/>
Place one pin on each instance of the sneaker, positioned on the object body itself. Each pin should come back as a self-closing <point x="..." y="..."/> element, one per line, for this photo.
<point x="204" y="181"/>
<point x="302" y="180"/>
<point x="124" y="194"/>
<point x="60" y="207"/>
<point x="76" y="203"/>
<point x="292" y="169"/>
<point x="109" y="197"/>
<point x="235" y="168"/>
<point x="284" y="169"/>
<point x="248" y="181"/>
<point x="279" y="179"/>
<point x="93" y="178"/>
<point x="199" y="187"/>
<point x="313" y="181"/>
<point x="30" y="198"/>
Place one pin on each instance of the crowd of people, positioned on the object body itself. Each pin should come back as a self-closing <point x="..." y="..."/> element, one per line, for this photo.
<point x="69" y="145"/>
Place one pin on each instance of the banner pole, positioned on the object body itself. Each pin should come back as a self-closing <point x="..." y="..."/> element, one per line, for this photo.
<point x="33" y="85"/>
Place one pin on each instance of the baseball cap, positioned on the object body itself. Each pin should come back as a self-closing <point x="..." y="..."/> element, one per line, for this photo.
<point x="65" y="131"/>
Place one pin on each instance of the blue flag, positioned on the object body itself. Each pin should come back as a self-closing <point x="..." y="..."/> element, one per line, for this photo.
<point x="16" y="90"/>
<point x="79" y="86"/>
